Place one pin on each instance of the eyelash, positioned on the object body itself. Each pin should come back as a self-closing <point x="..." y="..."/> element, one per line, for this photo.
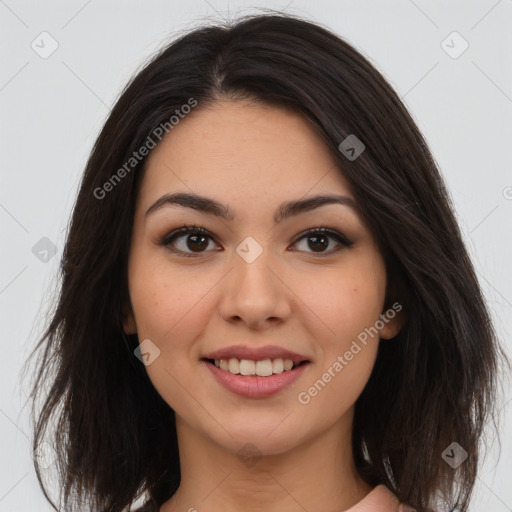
<point x="186" y="230"/>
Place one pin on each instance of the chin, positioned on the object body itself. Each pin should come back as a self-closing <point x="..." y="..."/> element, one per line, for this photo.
<point x="247" y="439"/>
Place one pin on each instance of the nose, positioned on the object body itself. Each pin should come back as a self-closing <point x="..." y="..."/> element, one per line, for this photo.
<point x="253" y="293"/>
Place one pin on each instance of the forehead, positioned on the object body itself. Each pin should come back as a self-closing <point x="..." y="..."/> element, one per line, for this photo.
<point x="235" y="149"/>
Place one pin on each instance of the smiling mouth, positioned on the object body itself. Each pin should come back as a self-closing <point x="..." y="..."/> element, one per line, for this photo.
<point x="249" y="368"/>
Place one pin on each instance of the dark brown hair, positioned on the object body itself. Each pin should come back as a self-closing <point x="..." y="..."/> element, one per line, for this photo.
<point x="431" y="385"/>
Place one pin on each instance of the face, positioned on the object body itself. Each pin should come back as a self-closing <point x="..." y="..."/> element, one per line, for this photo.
<point x="252" y="280"/>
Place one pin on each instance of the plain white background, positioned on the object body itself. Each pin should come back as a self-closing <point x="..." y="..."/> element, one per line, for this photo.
<point x="52" y="109"/>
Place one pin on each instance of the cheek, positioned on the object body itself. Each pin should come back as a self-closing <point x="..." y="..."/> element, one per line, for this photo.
<point x="171" y="310"/>
<point x="348" y="304"/>
<point x="167" y="302"/>
<point x="346" y="301"/>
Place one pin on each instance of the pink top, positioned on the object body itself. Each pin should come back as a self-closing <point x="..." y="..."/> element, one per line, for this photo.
<point x="380" y="499"/>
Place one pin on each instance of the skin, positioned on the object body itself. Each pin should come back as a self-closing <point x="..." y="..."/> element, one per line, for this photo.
<point x="252" y="158"/>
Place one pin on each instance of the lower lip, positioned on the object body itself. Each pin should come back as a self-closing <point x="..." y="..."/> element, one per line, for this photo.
<point x="255" y="386"/>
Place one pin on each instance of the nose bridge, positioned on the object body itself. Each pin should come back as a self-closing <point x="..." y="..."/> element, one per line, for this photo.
<point x="252" y="270"/>
<point x="254" y="293"/>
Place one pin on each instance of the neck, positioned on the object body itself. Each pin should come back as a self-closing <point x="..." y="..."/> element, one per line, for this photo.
<point x="318" y="475"/>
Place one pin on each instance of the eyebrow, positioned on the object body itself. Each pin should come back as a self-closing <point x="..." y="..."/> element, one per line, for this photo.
<point x="212" y="207"/>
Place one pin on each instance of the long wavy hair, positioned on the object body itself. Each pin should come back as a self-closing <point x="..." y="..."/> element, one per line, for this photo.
<point x="114" y="435"/>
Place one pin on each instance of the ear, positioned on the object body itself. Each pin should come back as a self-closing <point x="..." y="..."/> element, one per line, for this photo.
<point x="128" y="319"/>
<point x="393" y="319"/>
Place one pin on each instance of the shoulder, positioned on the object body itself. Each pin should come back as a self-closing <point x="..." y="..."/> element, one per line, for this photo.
<point x="380" y="499"/>
<point x="149" y="506"/>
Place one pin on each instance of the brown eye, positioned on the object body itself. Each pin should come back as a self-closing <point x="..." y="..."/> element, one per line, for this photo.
<point x="188" y="241"/>
<point x="318" y="243"/>
<point x="318" y="240"/>
<point x="197" y="242"/>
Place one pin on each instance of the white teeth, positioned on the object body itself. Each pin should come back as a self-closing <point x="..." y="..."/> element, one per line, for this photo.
<point x="247" y="367"/>
<point x="264" y="368"/>
<point x="277" y="366"/>
<point x="234" y="366"/>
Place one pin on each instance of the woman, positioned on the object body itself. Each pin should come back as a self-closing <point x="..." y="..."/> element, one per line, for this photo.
<point x="266" y="301"/>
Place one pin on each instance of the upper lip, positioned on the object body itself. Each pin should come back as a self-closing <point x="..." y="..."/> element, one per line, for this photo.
<point x="256" y="353"/>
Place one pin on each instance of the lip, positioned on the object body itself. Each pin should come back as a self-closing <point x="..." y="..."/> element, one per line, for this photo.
<point x="256" y="386"/>
<point x="255" y="353"/>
